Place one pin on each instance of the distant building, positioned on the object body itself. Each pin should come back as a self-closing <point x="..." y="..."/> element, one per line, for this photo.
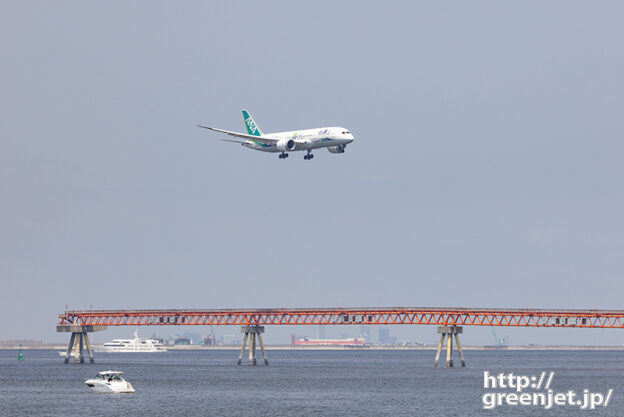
<point x="230" y="339"/>
<point x="17" y="342"/>
<point x="385" y="338"/>
<point x="365" y="332"/>
<point x="182" y="341"/>
<point x="192" y="335"/>
<point x="321" y="332"/>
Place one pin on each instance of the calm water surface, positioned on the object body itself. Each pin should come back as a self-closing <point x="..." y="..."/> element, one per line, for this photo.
<point x="301" y="383"/>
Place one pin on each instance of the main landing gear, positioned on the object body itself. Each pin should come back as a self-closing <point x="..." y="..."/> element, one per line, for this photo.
<point x="283" y="155"/>
<point x="308" y="155"/>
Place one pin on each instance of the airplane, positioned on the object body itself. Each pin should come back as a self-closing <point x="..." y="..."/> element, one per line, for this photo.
<point x="335" y="139"/>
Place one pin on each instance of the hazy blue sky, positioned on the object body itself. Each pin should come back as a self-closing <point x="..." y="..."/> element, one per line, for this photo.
<point x="486" y="171"/>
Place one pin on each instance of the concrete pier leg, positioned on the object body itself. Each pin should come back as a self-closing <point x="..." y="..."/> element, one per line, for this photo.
<point x="86" y="338"/>
<point x="437" y="357"/>
<point x="69" y="347"/>
<point x="449" y="351"/>
<point x="78" y="339"/>
<point x="77" y="350"/>
<point x="449" y="332"/>
<point x="242" y="351"/>
<point x="253" y="332"/>
<point x="252" y="339"/>
<point x="254" y="348"/>
<point x="266" y="361"/>
<point x="82" y="336"/>
<point x="459" y="349"/>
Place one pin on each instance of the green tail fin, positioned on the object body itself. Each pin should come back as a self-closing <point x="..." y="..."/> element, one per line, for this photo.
<point x="250" y="124"/>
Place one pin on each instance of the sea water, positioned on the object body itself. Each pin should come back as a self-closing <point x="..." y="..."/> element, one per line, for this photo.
<point x="300" y="383"/>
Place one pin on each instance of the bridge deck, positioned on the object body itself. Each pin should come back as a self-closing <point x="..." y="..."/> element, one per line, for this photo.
<point x="344" y="316"/>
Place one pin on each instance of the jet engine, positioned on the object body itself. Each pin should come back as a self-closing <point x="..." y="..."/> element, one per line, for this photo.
<point x="337" y="149"/>
<point x="286" y="145"/>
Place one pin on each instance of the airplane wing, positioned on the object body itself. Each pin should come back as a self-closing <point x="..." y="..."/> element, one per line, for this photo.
<point x="263" y="139"/>
<point x="237" y="141"/>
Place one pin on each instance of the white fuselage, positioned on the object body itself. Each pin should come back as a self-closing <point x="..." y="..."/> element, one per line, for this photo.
<point x="324" y="137"/>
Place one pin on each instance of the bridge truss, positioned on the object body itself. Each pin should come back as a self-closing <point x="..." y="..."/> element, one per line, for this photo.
<point x="252" y="322"/>
<point x="613" y="319"/>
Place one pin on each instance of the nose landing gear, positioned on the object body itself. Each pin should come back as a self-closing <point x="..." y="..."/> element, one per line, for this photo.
<point x="283" y="155"/>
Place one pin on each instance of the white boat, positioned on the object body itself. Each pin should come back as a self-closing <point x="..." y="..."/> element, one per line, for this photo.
<point x="109" y="382"/>
<point x="132" y="345"/>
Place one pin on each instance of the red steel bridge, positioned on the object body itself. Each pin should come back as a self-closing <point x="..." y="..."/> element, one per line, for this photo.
<point x="442" y="316"/>
<point x="252" y="322"/>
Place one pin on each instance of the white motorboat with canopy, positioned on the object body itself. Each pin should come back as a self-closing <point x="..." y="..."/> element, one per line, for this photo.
<point x="109" y="382"/>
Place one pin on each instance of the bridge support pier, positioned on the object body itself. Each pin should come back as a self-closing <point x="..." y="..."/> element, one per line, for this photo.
<point x="449" y="332"/>
<point x="78" y="340"/>
<point x="252" y="332"/>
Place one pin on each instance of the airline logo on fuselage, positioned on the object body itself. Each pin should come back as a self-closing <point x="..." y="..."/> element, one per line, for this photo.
<point x="251" y="125"/>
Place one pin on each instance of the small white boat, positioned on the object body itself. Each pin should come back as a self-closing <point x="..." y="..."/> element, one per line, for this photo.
<point x="109" y="382"/>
